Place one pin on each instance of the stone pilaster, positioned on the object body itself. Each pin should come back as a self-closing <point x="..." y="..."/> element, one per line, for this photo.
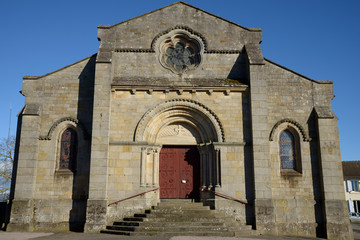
<point x="97" y="202"/>
<point x="335" y="207"/>
<point x="264" y="207"/>
<point x="22" y="213"/>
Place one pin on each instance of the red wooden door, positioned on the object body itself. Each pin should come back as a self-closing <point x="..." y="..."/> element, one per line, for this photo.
<point x="179" y="172"/>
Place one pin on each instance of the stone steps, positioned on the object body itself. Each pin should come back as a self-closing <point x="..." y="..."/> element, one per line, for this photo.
<point x="180" y="218"/>
<point x="170" y="234"/>
<point x="169" y="224"/>
<point x="165" y="228"/>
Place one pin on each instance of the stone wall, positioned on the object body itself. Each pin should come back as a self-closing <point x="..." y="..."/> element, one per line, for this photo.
<point x="54" y="101"/>
<point x="233" y="104"/>
<point x="125" y="155"/>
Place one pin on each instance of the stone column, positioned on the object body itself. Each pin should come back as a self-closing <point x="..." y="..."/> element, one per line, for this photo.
<point x="264" y="206"/>
<point x="202" y="153"/>
<point x="143" y="166"/>
<point x="156" y="167"/>
<point x="210" y="157"/>
<point x="97" y="202"/>
<point x="335" y="207"/>
<point x="22" y="212"/>
<point x="217" y="167"/>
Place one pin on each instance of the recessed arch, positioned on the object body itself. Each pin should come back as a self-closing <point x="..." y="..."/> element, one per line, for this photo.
<point x="289" y="151"/>
<point x="185" y="29"/>
<point x="284" y="123"/>
<point x="70" y="121"/>
<point x="184" y="111"/>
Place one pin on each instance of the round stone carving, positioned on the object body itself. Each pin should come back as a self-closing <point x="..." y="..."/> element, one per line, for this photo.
<point x="180" y="53"/>
<point x="180" y="57"/>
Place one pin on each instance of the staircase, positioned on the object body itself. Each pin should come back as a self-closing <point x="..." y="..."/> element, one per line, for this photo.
<point x="180" y="218"/>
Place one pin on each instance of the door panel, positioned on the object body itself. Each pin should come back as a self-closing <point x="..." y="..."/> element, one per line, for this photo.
<point x="179" y="172"/>
<point x="168" y="173"/>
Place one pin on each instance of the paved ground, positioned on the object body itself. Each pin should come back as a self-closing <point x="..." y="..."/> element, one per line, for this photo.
<point x="87" y="236"/>
<point x="356" y="229"/>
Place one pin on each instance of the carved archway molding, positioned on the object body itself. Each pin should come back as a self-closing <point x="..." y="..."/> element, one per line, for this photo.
<point x="182" y="29"/>
<point x="72" y="120"/>
<point x="293" y="124"/>
<point x="179" y="110"/>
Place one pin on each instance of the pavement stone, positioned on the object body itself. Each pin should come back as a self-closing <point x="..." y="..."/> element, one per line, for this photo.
<point x="96" y="236"/>
<point x="356" y="229"/>
<point x="93" y="236"/>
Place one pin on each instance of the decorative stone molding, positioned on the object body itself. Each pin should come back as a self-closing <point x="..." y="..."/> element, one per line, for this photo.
<point x="180" y="51"/>
<point x="223" y="52"/>
<point x="179" y="27"/>
<point x="178" y="133"/>
<point x="185" y="110"/>
<point x="324" y="112"/>
<point x="65" y="119"/>
<point x="32" y="109"/>
<point x="149" y="169"/>
<point x="294" y="125"/>
<point x="141" y="50"/>
<point x="136" y="50"/>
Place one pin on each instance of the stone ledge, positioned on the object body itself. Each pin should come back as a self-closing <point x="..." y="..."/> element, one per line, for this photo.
<point x="290" y="172"/>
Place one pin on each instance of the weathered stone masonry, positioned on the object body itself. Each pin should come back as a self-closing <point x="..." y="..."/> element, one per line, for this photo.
<point x="177" y="77"/>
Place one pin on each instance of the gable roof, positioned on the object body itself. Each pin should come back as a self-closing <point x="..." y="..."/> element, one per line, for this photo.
<point x="296" y="73"/>
<point x="185" y="4"/>
<point x="351" y="169"/>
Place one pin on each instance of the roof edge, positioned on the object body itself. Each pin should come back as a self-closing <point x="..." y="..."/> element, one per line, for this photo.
<point x="47" y="74"/>
<point x="303" y="76"/>
<point x="184" y="3"/>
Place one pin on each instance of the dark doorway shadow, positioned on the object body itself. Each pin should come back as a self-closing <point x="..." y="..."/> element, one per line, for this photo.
<point x="192" y="158"/>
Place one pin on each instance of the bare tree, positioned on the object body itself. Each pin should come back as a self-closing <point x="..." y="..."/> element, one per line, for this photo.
<point x="7" y="147"/>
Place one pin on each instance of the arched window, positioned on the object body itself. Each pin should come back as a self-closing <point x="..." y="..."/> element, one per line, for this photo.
<point x="287" y="150"/>
<point x="68" y="149"/>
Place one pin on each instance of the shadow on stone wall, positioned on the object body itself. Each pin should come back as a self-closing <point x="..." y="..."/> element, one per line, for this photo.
<point x="248" y="162"/>
<point x="239" y="69"/>
<point x="81" y="175"/>
<point x="316" y="176"/>
<point x="5" y="208"/>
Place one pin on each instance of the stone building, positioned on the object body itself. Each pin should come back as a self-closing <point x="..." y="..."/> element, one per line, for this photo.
<point x="351" y="170"/>
<point x="180" y="99"/>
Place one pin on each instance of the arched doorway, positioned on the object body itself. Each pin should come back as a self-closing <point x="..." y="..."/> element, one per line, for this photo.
<point x="180" y="153"/>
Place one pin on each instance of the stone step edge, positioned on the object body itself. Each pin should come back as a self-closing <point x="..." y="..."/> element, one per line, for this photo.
<point x="164" y="229"/>
<point x="156" y="233"/>
<point x="146" y="223"/>
<point x="194" y="219"/>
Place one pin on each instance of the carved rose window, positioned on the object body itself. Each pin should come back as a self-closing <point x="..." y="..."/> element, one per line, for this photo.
<point x="180" y="53"/>
<point x="180" y="57"/>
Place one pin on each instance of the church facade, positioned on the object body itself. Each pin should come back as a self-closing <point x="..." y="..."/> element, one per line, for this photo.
<point x="179" y="103"/>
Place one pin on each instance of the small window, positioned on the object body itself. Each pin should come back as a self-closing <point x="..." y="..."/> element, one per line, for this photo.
<point x="287" y="150"/>
<point x="68" y="149"/>
<point x="355" y="185"/>
<point x="354" y="207"/>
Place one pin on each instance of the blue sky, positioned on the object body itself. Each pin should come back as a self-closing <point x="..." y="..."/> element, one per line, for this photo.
<point x="317" y="38"/>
